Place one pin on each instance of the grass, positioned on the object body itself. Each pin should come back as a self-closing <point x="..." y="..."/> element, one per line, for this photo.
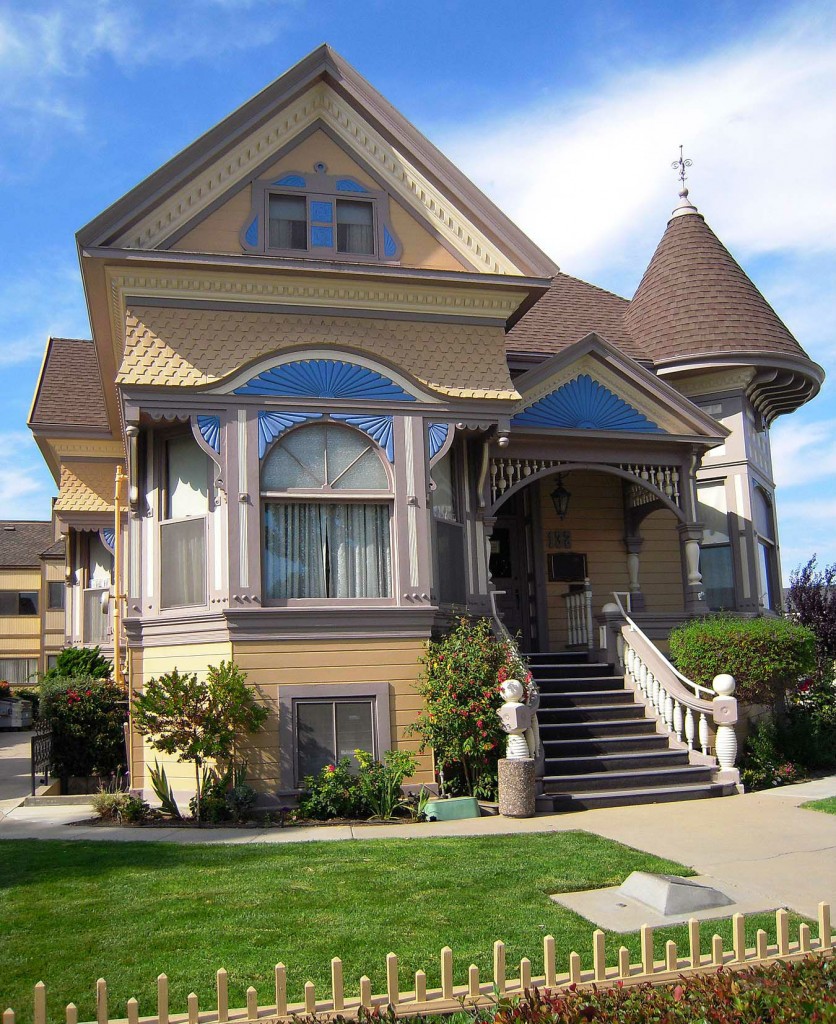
<point x="826" y="804"/>
<point x="75" y="911"/>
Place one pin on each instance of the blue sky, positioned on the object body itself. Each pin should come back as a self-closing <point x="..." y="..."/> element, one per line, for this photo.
<point x="567" y="114"/>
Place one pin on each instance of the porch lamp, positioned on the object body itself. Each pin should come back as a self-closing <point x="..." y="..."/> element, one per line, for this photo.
<point x="560" y="498"/>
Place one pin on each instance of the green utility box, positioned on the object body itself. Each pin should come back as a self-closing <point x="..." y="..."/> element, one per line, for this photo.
<point x="452" y="808"/>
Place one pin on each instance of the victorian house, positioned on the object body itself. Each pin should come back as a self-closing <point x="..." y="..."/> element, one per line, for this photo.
<point x="351" y="397"/>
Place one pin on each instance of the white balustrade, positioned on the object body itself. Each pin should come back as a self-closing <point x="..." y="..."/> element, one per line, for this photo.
<point x="579" y="616"/>
<point x="685" y="709"/>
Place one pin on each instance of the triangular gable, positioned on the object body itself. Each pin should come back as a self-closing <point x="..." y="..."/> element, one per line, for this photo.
<point x="591" y="386"/>
<point x="321" y="90"/>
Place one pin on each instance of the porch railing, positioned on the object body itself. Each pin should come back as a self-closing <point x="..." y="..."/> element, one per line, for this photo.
<point x="694" y="714"/>
<point x="579" y="616"/>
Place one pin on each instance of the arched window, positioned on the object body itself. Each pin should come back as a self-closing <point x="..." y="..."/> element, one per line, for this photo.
<point x="764" y="523"/>
<point x="327" y="509"/>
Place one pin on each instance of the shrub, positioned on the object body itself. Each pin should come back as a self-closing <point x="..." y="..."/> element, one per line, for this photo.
<point x="766" y="656"/>
<point x="5" y="690"/>
<point x="84" y="662"/>
<point x="87" y="718"/>
<point x="162" y="790"/>
<point x="240" y="801"/>
<point x="198" y="721"/>
<point x="763" y="764"/>
<point x="133" y="809"/>
<point x="118" y="806"/>
<point x="106" y="803"/>
<point x="460" y="687"/>
<point x="381" y="781"/>
<point x="334" y="793"/>
<point x="781" y="993"/>
<point x="812" y="601"/>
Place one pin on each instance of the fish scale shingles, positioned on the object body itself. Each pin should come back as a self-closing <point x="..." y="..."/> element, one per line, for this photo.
<point x="190" y="347"/>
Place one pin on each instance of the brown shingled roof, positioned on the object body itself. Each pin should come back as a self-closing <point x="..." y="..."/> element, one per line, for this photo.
<point x="70" y="387"/>
<point x="21" y="542"/>
<point x="695" y="299"/>
<point x="570" y="310"/>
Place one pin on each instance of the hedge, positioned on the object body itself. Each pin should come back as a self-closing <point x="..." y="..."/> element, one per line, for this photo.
<point x="766" y="656"/>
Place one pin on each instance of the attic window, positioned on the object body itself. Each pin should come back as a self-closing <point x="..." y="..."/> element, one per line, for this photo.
<point x="321" y="215"/>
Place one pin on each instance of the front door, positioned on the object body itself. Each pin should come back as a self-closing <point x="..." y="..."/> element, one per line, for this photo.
<point x="511" y="572"/>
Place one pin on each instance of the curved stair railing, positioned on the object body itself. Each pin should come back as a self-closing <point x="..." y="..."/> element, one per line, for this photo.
<point x="693" y="714"/>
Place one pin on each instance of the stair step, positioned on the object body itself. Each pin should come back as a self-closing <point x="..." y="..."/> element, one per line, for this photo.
<point x="629" y="797"/>
<point x="591" y="713"/>
<point x="585" y="698"/>
<point x="643" y="778"/>
<point x="573" y="684"/>
<point x="569" y="671"/>
<point x="618" y="761"/>
<point x="588" y="746"/>
<point x="594" y="727"/>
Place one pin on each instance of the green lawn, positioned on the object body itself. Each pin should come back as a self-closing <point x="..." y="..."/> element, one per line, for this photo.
<point x="74" y="911"/>
<point x="827" y="804"/>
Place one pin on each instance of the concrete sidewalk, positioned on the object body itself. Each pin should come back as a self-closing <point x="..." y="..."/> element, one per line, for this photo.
<point x="15" y="762"/>
<point x="760" y="843"/>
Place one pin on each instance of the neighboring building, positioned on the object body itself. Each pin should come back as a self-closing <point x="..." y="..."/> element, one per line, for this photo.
<point x="32" y="592"/>
<point x="351" y="396"/>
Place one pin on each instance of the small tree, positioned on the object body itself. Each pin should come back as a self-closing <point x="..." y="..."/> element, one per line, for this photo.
<point x="460" y="686"/>
<point x="80" y="662"/>
<point x="198" y="721"/>
<point x="812" y="601"/>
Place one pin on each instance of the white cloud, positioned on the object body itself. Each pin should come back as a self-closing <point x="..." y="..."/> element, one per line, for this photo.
<point x="590" y="181"/>
<point x="25" y="483"/>
<point x="803" y="452"/>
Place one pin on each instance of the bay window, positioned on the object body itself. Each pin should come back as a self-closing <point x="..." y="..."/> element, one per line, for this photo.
<point x="326" y="516"/>
<point x="185" y="507"/>
<point x="449" y="531"/>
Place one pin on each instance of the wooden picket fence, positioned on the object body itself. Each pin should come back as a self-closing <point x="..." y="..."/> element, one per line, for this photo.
<point x="451" y="997"/>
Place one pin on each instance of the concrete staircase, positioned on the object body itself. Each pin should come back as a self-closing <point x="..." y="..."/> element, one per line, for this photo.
<point x="600" y="748"/>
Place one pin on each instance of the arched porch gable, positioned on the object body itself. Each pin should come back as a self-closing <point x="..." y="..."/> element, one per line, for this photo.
<point x="508" y="475"/>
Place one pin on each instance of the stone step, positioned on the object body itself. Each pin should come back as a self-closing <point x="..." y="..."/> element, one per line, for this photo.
<point x="556" y="656"/>
<point x="597" y="713"/>
<point x="633" y="778"/>
<point x="547" y="670"/>
<point x="573" y="684"/>
<point x="594" y="728"/>
<point x="584" y="698"/>
<point x="619" y="761"/>
<point x="590" y="800"/>
<point x="590" y="746"/>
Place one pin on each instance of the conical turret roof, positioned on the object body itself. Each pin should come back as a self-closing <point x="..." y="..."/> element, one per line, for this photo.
<point x="695" y="300"/>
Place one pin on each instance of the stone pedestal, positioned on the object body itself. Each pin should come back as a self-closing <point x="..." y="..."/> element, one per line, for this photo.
<point x="516" y="787"/>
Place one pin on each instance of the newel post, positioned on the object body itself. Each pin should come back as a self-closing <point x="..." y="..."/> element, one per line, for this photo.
<point x="724" y="710"/>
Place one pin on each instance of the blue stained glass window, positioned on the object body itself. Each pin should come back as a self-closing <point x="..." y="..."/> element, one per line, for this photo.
<point x="321" y="212"/>
<point x="322" y="236"/>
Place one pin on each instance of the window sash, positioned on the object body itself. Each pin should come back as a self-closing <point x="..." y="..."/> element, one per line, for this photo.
<point x="327" y="550"/>
<point x="97" y="617"/>
<point x="18" y="671"/>
<point x="327" y="730"/>
<point x="55" y="596"/>
<point x="18" y="603"/>
<point x="183" y="562"/>
<point x="355" y="227"/>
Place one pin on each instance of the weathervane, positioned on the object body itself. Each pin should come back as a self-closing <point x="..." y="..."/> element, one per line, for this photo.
<point x="680" y="165"/>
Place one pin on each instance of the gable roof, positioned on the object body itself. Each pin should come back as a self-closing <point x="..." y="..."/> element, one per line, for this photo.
<point x="569" y="311"/>
<point x="22" y="542"/>
<point x="695" y="299"/>
<point x="322" y="65"/>
<point x="69" y="363"/>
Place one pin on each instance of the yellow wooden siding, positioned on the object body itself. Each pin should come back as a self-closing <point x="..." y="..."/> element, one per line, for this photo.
<point x="660" y="573"/>
<point x="337" y="662"/>
<point x="220" y="231"/>
<point x="20" y="579"/>
<point x="270" y="665"/>
<point x="596" y="523"/>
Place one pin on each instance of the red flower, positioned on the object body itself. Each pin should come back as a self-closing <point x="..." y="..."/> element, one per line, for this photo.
<point x="805" y="686"/>
<point x="330" y="768"/>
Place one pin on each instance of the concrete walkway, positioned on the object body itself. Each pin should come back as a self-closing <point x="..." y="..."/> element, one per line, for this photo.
<point x="763" y="843"/>
<point x="15" y="780"/>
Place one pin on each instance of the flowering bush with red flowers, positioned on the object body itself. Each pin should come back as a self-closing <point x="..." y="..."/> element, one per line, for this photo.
<point x="333" y="793"/>
<point x="86" y="717"/>
<point x="460" y="686"/>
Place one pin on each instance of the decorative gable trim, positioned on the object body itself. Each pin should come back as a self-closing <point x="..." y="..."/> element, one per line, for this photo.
<point x="210" y="431"/>
<point x="324" y="378"/>
<point x="438" y="435"/>
<point x="320" y="103"/>
<point x="585" y="404"/>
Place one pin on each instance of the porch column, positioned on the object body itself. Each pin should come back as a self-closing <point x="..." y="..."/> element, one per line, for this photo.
<point x="690" y="535"/>
<point x="634" y="547"/>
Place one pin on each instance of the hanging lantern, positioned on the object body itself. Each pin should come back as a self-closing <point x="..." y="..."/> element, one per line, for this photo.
<point x="560" y="498"/>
